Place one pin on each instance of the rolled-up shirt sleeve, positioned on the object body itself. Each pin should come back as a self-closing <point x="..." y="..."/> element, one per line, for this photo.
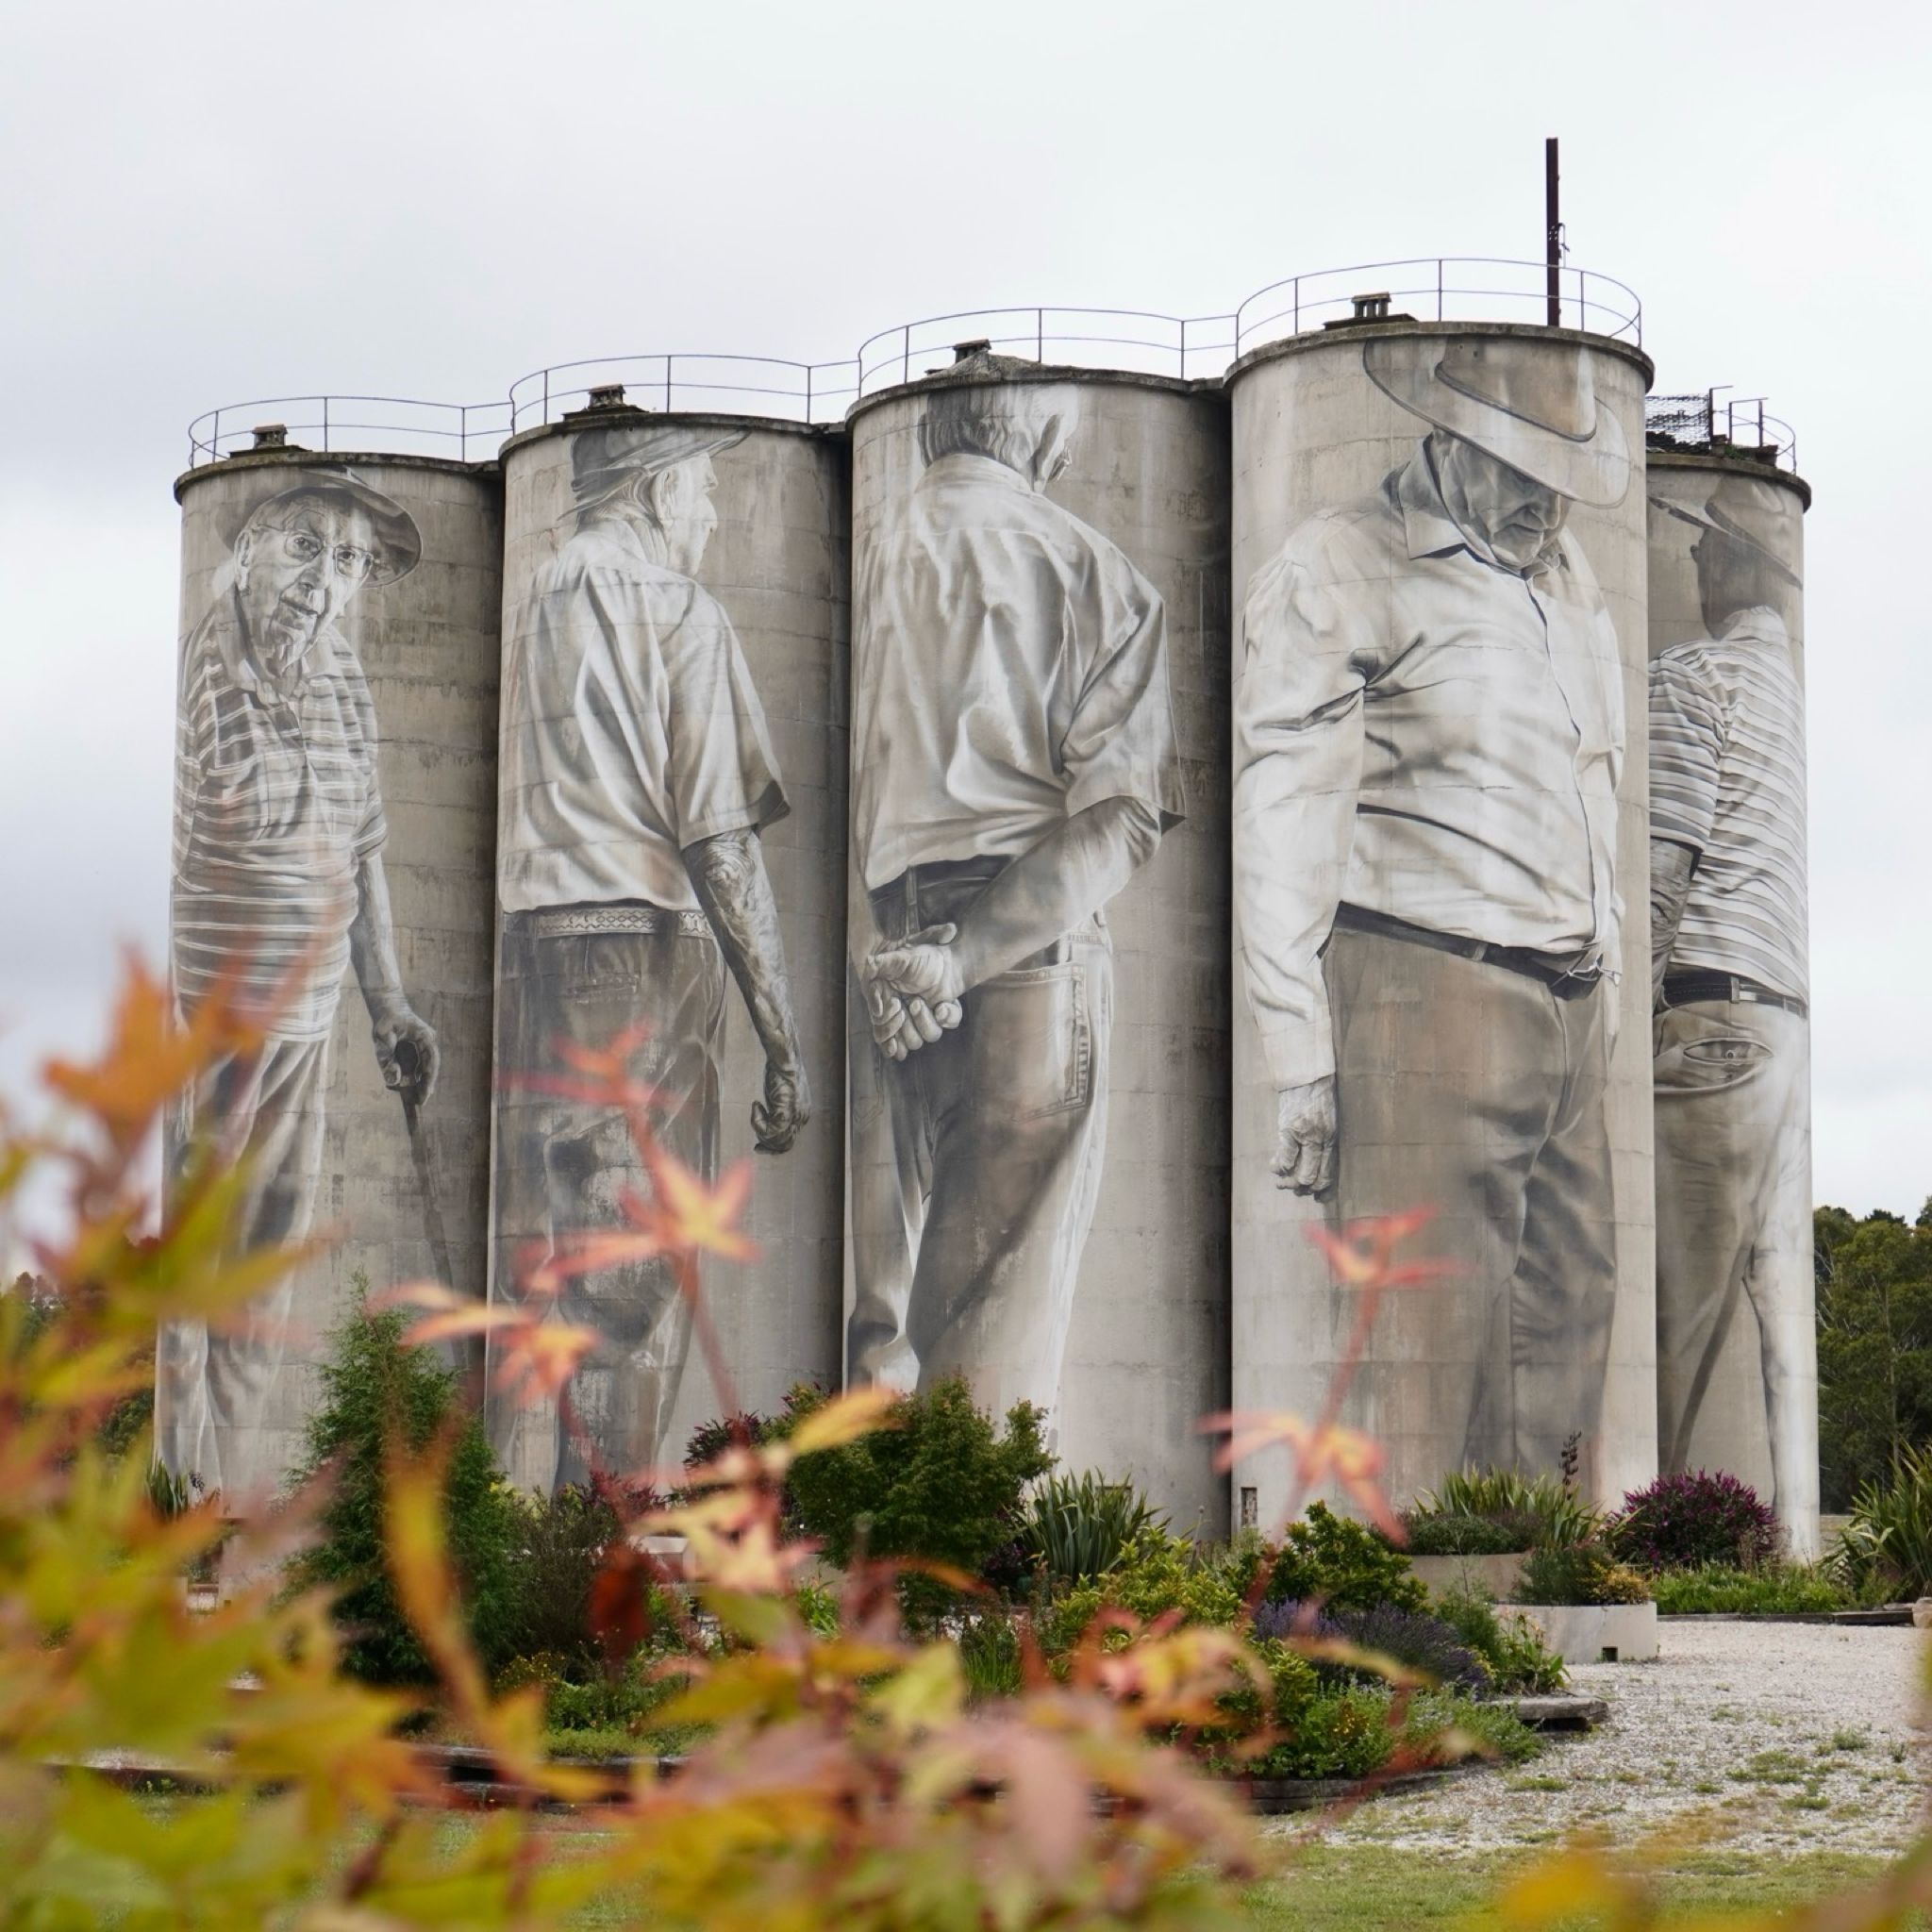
<point x="1310" y="645"/>
<point x="1687" y="730"/>
<point x="1121" y="742"/>
<point x="723" y="773"/>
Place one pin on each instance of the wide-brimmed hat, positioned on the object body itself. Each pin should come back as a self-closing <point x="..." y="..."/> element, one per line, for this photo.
<point x="603" y="457"/>
<point x="1531" y="405"/>
<point x="1763" y="517"/>
<point x="398" y="541"/>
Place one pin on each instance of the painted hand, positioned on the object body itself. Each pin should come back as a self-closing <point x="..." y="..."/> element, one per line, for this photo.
<point x="406" y="1050"/>
<point x="902" y="993"/>
<point x="1305" y="1122"/>
<point x="776" y="1119"/>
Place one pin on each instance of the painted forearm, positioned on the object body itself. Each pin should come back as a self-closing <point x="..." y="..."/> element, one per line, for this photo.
<point x="1670" y="866"/>
<point x="728" y="874"/>
<point x="372" y="938"/>
<point x="1057" y="886"/>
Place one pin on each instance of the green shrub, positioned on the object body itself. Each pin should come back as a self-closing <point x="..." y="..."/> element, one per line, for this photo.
<point x="939" y="1483"/>
<point x="1332" y="1561"/>
<point x="1579" y="1573"/>
<point x="1289" y="1684"/>
<point x="990" y="1656"/>
<point x="1076" y="1526"/>
<point x="376" y="1390"/>
<point x="1465" y="1535"/>
<point x="1157" y="1572"/>
<point x="1342" y="1733"/>
<point x="818" y="1607"/>
<point x="1787" y="1589"/>
<point x="1885" y="1549"/>
<point x="1501" y="1734"/>
<point x="1511" y="1646"/>
<point x="1540" y="1509"/>
<point x="559" y="1549"/>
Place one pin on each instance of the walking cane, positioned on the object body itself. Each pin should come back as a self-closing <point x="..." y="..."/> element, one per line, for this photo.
<point x="410" y="1065"/>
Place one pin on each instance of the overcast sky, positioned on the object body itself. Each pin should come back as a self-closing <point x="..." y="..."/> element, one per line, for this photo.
<point x="208" y="203"/>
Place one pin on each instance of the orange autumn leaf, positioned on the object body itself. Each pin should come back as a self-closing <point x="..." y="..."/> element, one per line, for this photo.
<point x="1362" y="1254"/>
<point x="689" y="1217"/>
<point x="1320" y="1451"/>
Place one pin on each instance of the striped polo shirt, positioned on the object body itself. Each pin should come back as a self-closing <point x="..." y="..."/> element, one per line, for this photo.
<point x="1727" y="780"/>
<point x="276" y="805"/>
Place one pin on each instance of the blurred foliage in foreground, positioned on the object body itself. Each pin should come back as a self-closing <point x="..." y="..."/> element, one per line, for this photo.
<point x="841" y="1777"/>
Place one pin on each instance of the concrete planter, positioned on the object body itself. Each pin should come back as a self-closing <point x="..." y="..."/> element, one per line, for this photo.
<point x="1595" y="1633"/>
<point x="1494" y="1577"/>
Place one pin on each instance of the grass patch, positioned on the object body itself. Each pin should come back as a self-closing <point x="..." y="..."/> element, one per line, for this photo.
<point x="1771" y="1768"/>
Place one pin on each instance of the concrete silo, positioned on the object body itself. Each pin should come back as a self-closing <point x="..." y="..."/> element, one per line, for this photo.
<point x="671" y="857"/>
<point x="1440" y="885"/>
<point x="1736" y="1342"/>
<point x="335" y="821"/>
<point x="1037" y="1176"/>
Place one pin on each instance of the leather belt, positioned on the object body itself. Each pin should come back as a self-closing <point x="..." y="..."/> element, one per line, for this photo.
<point x="1682" y="989"/>
<point x="1567" y="978"/>
<point x="592" y="922"/>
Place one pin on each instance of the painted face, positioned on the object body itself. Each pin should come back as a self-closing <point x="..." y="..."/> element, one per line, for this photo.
<point x="683" y="502"/>
<point x="1516" y="515"/>
<point x="300" y="576"/>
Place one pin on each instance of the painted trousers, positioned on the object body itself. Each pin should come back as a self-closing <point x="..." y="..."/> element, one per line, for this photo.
<point x="1734" y="1225"/>
<point x="976" y="1163"/>
<point x="211" y="1383"/>
<point x="561" y="1166"/>
<point x="1477" y="1090"/>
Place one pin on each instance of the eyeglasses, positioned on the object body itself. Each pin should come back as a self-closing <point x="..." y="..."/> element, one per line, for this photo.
<point x="350" y="560"/>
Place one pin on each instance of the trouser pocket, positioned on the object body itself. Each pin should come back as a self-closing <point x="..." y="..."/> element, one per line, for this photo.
<point x="1031" y="1051"/>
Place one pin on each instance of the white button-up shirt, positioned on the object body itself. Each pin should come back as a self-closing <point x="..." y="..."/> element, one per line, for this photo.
<point x="630" y="730"/>
<point x="1425" y="733"/>
<point x="1010" y="669"/>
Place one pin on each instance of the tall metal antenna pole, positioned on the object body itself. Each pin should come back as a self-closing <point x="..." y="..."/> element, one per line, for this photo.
<point x="1552" y="238"/>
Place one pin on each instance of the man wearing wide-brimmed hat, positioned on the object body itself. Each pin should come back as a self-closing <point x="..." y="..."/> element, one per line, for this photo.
<point x="637" y="777"/>
<point x="1429" y="729"/>
<point x="1729" y="970"/>
<point x="278" y="884"/>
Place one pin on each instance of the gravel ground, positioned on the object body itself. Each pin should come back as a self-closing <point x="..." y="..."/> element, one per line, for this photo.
<point x="1786" y="1738"/>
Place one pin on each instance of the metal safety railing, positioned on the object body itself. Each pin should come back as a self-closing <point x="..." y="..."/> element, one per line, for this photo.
<point x="1140" y="340"/>
<point x="740" y="384"/>
<point x="1445" y="288"/>
<point x="408" y="425"/>
<point x="1703" y="424"/>
<point x="1144" y="342"/>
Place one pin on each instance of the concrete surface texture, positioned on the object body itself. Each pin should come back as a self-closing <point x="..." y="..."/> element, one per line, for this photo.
<point x="1038" y="1192"/>
<point x="335" y="814"/>
<point x="1440" y="859"/>
<point x="1736" y="1347"/>
<point x="672" y="835"/>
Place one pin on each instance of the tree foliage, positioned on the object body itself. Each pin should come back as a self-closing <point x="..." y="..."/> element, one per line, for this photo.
<point x="1875" y="1345"/>
<point x="938" y="1483"/>
<point x="381" y="1396"/>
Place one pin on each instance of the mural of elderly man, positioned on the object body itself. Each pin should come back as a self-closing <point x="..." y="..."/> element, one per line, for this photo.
<point x="637" y="775"/>
<point x="1014" y="763"/>
<point x="1429" y="729"/>
<point x="278" y="884"/>
<point x="1728" y="955"/>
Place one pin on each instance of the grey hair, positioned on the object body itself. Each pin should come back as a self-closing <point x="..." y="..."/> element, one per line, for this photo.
<point x="1006" y="422"/>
